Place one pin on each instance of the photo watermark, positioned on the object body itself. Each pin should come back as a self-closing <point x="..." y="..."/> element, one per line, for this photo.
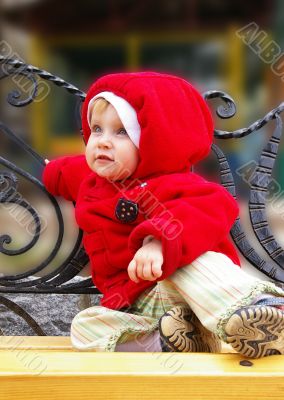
<point x="263" y="46"/>
<point x="22" y="75"/>
<point x="29" y="358"/>
<point x="18" y="208"/>
<point x="273" y="192"/>
<point x="160" y="217"/>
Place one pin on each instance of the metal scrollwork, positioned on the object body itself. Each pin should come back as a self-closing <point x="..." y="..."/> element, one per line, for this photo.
<point x="8" y="185"/>
<point x="35" y="279"/>
<point x="224" y="112"/>
<point x="259" y="183"/>
<point x="24" y="79"/>
<point x="13" y="67"/>
<point x="13" y="196"/>
<point x="53" y="282"/>
<point x="15" y="308"/>
<point x="59" y="280"/>
<point x="10" y="195"/>
<point x="13" y="96"/>
<point x="229" y="111"/>
<point x="237" y="232"/>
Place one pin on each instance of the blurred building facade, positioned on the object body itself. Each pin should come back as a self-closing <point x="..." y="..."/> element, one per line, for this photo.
<point x="198" y="40"/>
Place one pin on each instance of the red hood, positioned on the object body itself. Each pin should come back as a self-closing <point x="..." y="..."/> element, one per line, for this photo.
<point x="176" y="124"/>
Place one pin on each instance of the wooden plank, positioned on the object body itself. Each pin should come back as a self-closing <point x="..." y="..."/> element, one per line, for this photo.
<point x="48" y="374"/>
<point x="35" y="342"/>
<point x="54" y="343"/>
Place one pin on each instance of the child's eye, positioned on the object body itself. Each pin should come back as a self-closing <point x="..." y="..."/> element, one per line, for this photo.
<point x="96" y="129"/>
<point x="121" y="131"/>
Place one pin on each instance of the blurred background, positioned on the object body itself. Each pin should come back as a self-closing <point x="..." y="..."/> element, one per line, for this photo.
<point x="204" y="41"/>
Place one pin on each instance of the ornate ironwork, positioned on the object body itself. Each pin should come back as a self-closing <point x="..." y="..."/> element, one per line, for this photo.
<point x="11" y="195"/>
<point x="229" y="111"/>
<point x="222" y="111"/>
<point x="259" y="183"/>
<point x="237" y="231"/>
<point x="19" y="67"/>
<point x="15" y="308"/>
<point x="61" y="279"/>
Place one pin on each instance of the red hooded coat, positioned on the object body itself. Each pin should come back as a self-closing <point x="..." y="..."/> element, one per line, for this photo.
<point x="187" y="213"/>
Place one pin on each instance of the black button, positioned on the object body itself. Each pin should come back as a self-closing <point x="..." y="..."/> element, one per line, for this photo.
<point x="126" y="210"/>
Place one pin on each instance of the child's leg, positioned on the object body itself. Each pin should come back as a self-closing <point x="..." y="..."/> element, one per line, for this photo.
<point x="100" y="329"/>
<point x="136" y="329"/>
<point x="150" y="343"/>
<point x="215" y="289"/>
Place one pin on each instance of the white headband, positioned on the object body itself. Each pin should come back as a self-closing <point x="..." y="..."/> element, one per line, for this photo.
<point x="125" y="111"/>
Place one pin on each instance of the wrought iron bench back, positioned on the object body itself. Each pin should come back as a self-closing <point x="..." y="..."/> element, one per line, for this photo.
<point x="61" y="279"/>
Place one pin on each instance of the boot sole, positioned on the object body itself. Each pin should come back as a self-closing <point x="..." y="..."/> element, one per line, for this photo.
<point x="256" y="331"/>
<point x="181" y="331"/>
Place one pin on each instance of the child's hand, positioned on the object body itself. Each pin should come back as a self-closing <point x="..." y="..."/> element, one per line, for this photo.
<point x="147" y="262"/>
<point x="46" y="161"/>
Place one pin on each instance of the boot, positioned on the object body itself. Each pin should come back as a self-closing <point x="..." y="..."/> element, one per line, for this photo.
<point x="258" y="330"/>
<point x="181" y="331"/>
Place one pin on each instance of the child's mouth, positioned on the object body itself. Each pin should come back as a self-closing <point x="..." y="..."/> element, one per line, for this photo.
<point x="103" y="157"/>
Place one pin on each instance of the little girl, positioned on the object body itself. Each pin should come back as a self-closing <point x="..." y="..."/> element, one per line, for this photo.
<point x="156" y="233"/>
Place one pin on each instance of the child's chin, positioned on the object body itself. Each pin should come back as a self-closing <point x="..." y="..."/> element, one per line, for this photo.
<point x="111" y="176"/>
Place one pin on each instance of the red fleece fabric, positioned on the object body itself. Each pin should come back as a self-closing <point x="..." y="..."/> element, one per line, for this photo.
<point x="187" y="213"/>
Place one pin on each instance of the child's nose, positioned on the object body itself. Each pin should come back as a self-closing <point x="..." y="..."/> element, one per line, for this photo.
<point x="105" y="141"/>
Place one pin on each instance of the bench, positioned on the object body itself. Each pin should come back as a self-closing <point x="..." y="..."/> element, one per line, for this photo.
<point x="48" y="365"/>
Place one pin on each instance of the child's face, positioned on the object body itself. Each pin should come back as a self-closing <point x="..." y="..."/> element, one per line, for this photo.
<point x="110" y="152"/>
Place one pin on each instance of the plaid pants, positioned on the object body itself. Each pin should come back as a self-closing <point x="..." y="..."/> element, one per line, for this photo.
<point x="212" y="286"/>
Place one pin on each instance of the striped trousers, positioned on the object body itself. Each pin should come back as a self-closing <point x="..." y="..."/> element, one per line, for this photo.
<point x="212" y="286"/>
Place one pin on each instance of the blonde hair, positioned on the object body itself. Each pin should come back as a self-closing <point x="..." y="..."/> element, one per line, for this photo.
<point x="99" y="106"/>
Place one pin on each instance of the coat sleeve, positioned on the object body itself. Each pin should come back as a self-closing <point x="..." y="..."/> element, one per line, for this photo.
<point x="63" y="176"/>
<point x="195" y="222"/>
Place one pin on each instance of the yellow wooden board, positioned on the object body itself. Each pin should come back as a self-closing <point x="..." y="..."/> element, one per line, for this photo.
<point x="48" y="368"/>
<point x="35" y="342"/>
